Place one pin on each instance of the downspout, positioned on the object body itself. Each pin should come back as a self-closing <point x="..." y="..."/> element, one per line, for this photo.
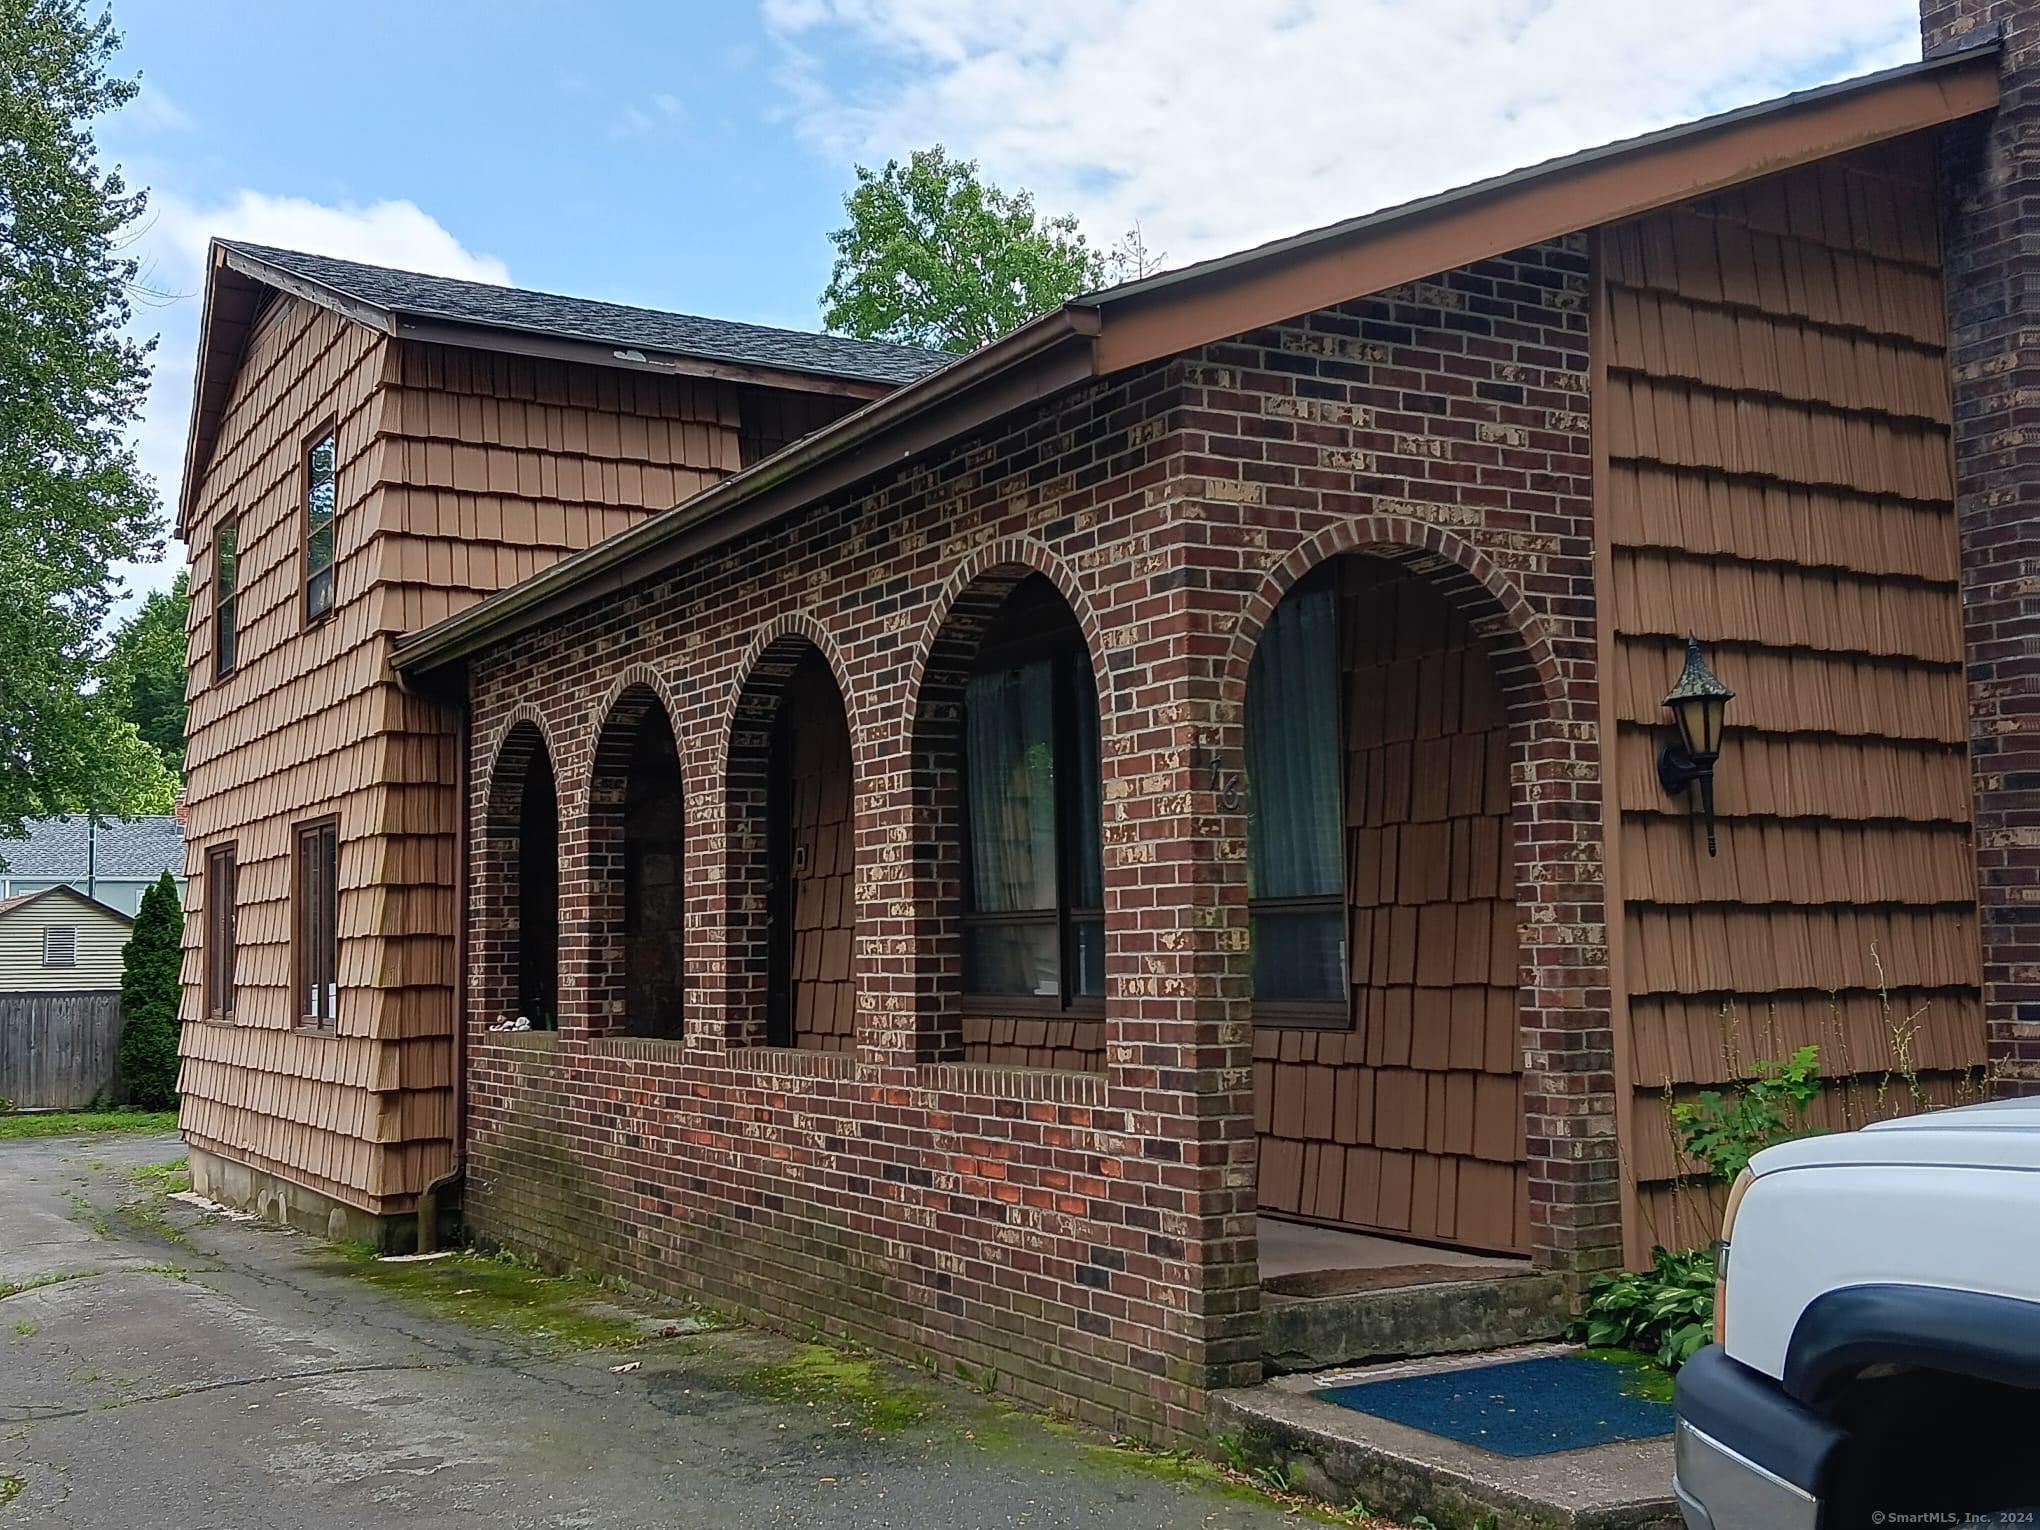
<point x="429" y="1197"/>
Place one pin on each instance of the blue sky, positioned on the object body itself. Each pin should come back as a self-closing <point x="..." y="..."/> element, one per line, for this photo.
<point x="693" y="155"/>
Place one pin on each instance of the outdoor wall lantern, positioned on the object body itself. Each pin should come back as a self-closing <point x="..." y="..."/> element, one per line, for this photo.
<point x="1698" y="702"/>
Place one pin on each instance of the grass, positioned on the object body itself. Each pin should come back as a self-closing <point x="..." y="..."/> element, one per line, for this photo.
<point x="69" y="1123"/>
<point x="9" y="1488"/>
<point x="1234" y="1476"/>
<point x="37" y="1282"/>
<point x="501" y="1293"/>
<point x="166" y="1178"/>
<point x="821" y="1377"/>
<point x="1646" y="1377"/>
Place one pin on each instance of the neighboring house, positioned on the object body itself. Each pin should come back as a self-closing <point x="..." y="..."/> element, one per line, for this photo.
<point x="60" y="1011"/>
<point x="113" y="860"/>
<point x="60" y="941"/>
<point x="1198" y="756"/>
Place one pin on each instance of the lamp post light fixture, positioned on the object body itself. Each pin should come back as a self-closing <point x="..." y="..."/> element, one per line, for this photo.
<point x="1698" y="702"/>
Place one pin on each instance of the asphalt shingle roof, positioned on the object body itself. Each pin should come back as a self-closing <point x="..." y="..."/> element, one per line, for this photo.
<point x="130" y="850"/>
<point x="614" y="324"/>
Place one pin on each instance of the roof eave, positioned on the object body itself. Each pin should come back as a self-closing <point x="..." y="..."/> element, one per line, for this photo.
<point x="1040" y="358"/>
<point x="1179" y="310"/>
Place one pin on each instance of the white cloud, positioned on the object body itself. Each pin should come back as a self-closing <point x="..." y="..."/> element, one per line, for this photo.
<point x="662" y="109"/>
<point x="173" y="249"/>
<point x="153" y="111"/>
<point x="1216" y="132"/>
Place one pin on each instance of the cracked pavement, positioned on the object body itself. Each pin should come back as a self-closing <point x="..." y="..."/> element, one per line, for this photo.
<point x="194" y="1372"/>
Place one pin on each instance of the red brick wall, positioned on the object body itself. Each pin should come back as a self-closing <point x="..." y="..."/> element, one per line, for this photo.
<point x="1089" y="1233"/>
<point x="1993" y="269"/>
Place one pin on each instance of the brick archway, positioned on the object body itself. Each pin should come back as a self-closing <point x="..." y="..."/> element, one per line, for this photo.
<point x="1553" y="784"/>
<point x="514" y="940"/>
<point x="789" y="793"/>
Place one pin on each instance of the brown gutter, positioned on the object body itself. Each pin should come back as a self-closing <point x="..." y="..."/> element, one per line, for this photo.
<point x="1040" y="358"/>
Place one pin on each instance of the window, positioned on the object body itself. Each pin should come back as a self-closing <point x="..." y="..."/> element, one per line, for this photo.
<point x="219" y="932"/>
<point x="1296" y="826"/>
<point x="60" y="945"/>
<point x="224" y="551"/>
<point x="317" y="953"/>
<point x="320" y="463"/>
<point x="1034" y="916"/>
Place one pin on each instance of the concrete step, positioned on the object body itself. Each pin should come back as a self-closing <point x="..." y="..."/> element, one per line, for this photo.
<point x="1341" y="1455"/>
<point x="1312" y="1333"/>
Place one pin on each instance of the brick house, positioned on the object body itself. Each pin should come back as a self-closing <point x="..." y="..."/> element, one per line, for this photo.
<point x="982" y="861"/>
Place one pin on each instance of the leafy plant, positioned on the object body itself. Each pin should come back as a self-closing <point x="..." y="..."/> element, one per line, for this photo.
<point x="1725" y="1132"/>
<point x="1666" y="1312"/>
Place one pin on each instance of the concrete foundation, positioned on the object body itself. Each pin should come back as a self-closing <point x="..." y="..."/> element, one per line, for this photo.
<point x="279" y="1200"/>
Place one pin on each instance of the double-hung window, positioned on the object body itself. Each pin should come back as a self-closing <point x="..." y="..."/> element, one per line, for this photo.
<point x="1296" y="830"/>
<point x="219" y="893"/>
<point x="316" y="865"/>
<point x="1034" y="915"/>
<point x="321" y="465"/>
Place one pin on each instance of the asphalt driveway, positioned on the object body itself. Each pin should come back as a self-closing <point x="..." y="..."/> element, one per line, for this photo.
<point x="183" y="1370"/>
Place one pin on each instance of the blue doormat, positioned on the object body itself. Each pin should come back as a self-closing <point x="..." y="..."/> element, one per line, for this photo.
<point x="1518" y="1407"/>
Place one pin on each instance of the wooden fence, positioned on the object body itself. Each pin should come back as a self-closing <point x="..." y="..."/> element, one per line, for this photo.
<point x="59" y="1051"/>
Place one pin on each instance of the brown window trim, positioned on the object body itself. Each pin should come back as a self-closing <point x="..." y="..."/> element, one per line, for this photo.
<point x="222" y="874"/>
<point x="1061" y="649"/>
<point x="316" y="1025"/>
<point x="229" y="610"/>
<point x="309" y="618"/>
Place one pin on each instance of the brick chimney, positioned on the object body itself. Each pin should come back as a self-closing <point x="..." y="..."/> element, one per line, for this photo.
<point x="1990" y="176"/>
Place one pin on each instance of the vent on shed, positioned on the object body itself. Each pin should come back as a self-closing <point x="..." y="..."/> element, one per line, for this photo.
<point x="60" y="945"/>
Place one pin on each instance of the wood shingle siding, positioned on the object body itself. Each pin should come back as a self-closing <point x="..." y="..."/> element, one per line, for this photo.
<point x="459" y="472"/>
<point x="1779" y="484"/>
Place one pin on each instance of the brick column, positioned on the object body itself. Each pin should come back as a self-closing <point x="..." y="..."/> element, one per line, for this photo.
<point x="1991" y="235"/>
<point x="1179" y="1044"/>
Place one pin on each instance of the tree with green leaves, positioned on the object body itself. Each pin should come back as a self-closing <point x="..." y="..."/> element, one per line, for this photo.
<point x="150" y="988"/>
<point x="934" y="255"/>
<point x="72" y="501"/>
<point x="145" y="672"/>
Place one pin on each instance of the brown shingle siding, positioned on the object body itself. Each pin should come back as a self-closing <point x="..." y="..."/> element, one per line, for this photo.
<point x="458" y="473"/>
<point x="1779" y="485"/>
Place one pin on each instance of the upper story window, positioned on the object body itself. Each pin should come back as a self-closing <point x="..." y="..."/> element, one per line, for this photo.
<point x="225" y="552"/>
<point x="321" y="464"/>
<point x="1296" y="822"/>
<point x="219" y="894"/>
<point x="1034" y="914"/>
<point x="60" y="945"/>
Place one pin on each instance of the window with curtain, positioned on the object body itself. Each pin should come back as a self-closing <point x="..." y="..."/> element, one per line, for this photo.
<point x="219" y="932"/>
<point x="321" y="463"/>
<point x="318" y="920"/>
<point x="225" y="551"/>
<point x="1296" y="833"/>
<point x="1034" y="921"/>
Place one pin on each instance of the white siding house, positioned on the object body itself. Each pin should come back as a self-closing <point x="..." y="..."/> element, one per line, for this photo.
<point x="60" y="941"/>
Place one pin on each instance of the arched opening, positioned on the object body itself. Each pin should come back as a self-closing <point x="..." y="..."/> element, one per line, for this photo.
<point x="792" y="905"/>
<point x="518" y="935"/>
<point x="1007" y="750"/>
<point x="1383" y="910"/>
<point x="637" y="872"/>
<point x="813" y="999"/>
